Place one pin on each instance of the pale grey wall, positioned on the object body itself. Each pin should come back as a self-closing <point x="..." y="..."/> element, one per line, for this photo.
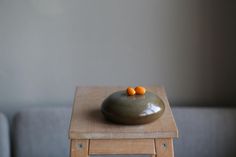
<point x="47" y="47"/>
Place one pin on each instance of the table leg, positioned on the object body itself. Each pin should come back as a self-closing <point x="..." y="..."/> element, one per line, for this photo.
<point x="164" y="147"/>
<point x="79" y="148"/>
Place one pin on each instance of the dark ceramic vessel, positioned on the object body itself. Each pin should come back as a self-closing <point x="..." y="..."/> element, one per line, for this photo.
<point x="137" y="109"/>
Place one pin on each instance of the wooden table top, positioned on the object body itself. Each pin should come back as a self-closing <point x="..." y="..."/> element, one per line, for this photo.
<point x="87" y="121"/>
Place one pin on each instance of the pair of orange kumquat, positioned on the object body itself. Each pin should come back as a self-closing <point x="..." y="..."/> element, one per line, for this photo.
<point x="139" y="90"/>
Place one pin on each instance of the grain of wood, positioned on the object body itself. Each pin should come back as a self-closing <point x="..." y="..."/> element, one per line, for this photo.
<point x="87" y="121"/>
<point x="125" y="146"/>
<point x="79" y="148"/>
<point x="164" y="147"/>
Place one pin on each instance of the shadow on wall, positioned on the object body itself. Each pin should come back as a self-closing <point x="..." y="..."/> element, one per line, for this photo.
<point x="205" y="36"/>
<point x="221" y="17"/>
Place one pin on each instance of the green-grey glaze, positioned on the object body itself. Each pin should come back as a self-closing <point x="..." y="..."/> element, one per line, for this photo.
<point x="137" y="109"/>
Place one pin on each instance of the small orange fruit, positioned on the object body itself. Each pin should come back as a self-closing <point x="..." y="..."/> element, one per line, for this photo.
<point x="130" y="91"/>
<point x="140" y="90"/>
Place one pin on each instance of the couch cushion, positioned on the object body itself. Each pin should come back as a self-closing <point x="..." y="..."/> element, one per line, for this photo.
<point x="205" y="132"/>
<point x="4" y="137"/>
<point x="41" y="132"/>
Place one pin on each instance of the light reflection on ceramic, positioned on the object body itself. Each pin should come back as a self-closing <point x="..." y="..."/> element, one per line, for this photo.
<point x="137" y="109"/>
<point x="151" y="109"/>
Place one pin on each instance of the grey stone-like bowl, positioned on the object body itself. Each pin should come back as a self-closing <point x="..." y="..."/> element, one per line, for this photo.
<point x="137" y="109"/>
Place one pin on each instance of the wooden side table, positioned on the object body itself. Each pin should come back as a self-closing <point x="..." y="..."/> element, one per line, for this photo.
<point x="91" y="134"/>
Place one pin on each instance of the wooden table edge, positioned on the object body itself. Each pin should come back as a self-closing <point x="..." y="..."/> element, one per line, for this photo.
<point x="126" y="135"/>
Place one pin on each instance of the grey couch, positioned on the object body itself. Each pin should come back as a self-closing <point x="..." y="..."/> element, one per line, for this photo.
<point x="42" y="132"/>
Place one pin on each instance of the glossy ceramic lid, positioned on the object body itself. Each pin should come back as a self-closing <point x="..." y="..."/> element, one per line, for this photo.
<point x="137" y="109"/>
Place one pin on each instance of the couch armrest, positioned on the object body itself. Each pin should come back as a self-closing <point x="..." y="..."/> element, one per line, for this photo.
<point x="4" y="137"/>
